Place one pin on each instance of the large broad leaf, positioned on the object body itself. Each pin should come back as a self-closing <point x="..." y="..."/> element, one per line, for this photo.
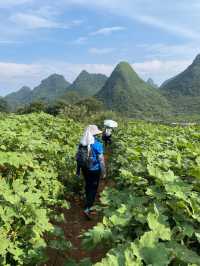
<point x="4" y="244"/>
<point x="157" y="223"/>
<point x="183" y="253"/>
<point x="121" y="256"/>
<point x="151" y="251"/>
<point x="97" y="235"/>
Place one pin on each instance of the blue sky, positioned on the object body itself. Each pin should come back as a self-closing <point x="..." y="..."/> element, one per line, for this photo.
<point x="42" y="37"/>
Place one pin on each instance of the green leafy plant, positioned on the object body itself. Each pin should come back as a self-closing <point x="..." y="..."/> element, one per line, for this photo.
<point x="151" y="215"/>
<point x="36" y="174"/>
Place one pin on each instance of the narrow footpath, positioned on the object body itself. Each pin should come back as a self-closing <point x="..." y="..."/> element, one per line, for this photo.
<point x="75" y="225"/>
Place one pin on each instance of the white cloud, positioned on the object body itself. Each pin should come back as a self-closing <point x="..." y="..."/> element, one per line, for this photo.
<point x="162" y="50"/>
<point x="167" y="26"/>
<point x="107" y="30"/>
<point x="10" y="3"/>
<point x="77" y="22"/>
<point x="47" y="11"/>
<point x="175" y="17"/>
<point x="80" y="40"/>
<point x="102" y="31"/>
<point x="101" y="51"/>
<point x="30" y="21"/>
<point x="9" y="42"/>
<point x="13" y="76"/>
<point x="161" y="70"/>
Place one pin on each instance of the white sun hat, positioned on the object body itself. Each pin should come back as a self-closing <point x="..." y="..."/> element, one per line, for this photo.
<point x="110" y="123"/>
<point x="94" y="130"/>
<point x="88" y="136"/>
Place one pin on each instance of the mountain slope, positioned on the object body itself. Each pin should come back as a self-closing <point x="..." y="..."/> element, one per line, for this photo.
<point x="3" y="105"/>
<point x="51" y="88"/>
<point x="152" y="83"/>
<point x="87" y="84"/>
<point x="19" y="98"/>
<point x="127" y="93"/>
<point x="183" y="90"/>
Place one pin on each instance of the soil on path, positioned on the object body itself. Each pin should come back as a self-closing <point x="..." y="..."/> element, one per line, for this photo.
<point x="74" y="226"/>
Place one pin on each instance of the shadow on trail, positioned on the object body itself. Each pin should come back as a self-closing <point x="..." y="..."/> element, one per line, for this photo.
<point x="74" y="226"/>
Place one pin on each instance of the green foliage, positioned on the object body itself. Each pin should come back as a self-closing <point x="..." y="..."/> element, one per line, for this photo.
<point x="89" y="111"/>
<point x="183" y="118"/>
<point x="40" y="106"/>
<point x="75" y="112"/>
<point x="36" y="169"/>
<point x="55" y="109"/>
<point x="92" y="105"/>
<point x="128" y="94"/>
<point x="151" y="215"/>
<point x="71" y="97"/>
<point x="34" y="107"/>
<point x="99" y="117"/>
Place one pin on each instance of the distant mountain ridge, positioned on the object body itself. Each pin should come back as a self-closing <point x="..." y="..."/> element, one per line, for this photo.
<point x="183" y="90"/>
<point x="124" y="91"/>
<point x="127" y="93"/>
<point x="152" y="83"/>
<point x="55" y="87"/>
<point x="87" y="84"/>
<point x="49" y="90"/>
<point x="21" y="97"/>
<point x="186" y="83"/>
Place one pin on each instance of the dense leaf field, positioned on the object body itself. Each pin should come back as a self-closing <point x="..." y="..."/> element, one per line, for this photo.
<point x="152" y="214"/>
<point x="36" y="172"/>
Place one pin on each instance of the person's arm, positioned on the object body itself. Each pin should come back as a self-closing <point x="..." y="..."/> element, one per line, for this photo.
<point x="98" y="149"/>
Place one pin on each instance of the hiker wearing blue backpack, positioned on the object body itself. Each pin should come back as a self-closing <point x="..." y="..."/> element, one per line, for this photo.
<point x="90" y="160"/>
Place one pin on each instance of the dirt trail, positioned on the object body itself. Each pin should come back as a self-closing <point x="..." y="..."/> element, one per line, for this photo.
<point x="75" y="225"/>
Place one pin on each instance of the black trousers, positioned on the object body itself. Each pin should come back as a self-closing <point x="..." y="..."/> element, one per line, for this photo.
<point x="91" y="185"/>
